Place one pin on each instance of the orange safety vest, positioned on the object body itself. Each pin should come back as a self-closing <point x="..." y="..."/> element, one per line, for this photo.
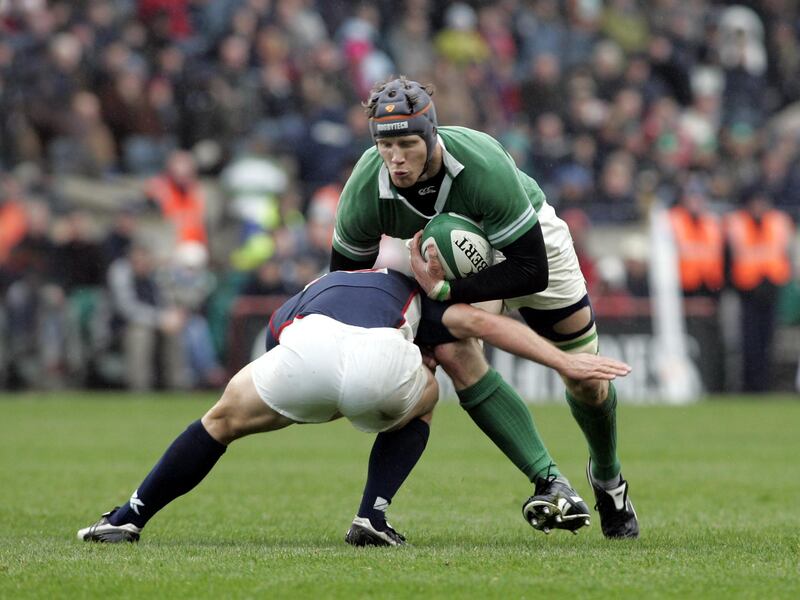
<point x="185" y="208"/>
<point x="13" y="226"/>
<point x="701" y="249"/>
<point x="759" y="251"/>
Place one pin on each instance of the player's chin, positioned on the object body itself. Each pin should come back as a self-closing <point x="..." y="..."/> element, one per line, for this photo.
<point x="403" y="180"/>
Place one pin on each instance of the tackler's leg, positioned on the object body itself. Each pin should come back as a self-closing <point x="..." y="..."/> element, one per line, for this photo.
<point x="190" y="457"/>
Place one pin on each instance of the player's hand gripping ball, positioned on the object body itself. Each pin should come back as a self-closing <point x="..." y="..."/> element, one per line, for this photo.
<point x="462" y="246"/>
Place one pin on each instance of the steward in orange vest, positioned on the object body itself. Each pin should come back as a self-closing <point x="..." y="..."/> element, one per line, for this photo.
<point x="700" y="243"/>
<point x="760" y="241"/>
<point x="178" y="194"/>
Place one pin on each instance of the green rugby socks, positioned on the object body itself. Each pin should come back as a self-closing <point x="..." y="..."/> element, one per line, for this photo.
<point x="599" y="426"/>
<point x="502" y="415"/>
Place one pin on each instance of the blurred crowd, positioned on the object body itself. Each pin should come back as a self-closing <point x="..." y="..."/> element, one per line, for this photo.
<point x="614" y="106"/>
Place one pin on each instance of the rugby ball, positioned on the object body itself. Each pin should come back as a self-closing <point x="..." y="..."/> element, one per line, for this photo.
<point x="461" y="243"/>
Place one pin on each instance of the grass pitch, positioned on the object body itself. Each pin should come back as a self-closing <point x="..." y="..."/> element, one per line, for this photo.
<point x="716" y="486"/>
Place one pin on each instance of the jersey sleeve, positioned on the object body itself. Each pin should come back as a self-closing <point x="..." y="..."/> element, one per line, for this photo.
<point x="431" y="331"/>
<point x="504" y="197"/>
<point x="357" y="233"/>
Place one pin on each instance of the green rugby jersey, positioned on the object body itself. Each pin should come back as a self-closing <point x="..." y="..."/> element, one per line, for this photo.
<point x="481" y="182"/>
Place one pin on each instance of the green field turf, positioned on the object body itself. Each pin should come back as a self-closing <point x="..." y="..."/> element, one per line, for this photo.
<point x="716" y="486"/>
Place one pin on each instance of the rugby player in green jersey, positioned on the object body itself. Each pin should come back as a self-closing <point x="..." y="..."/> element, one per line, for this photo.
<point x="417" y="170"/>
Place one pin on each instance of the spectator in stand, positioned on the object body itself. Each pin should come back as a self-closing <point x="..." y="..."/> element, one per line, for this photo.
<point x="573" y="187"/>
<point x="542" y="30"/>
<point x="623" y="123"/>
<point x="585" y="111"/>
<point x="234" y="93"/>
<point x="458" y="106"/>
<point x="151" y="328"/>
<point x="785" y="48"/>
<point x="612" y="284"/>
<point x="321" y="220"/>
<point x="80" y="256"/>
<point x="459" y="41"/>
<point x="517" y="140"/>
<point x="166" y="19"/>
<point x="359" y="40"/>
<point x="495" y="26"/>
<point x="625" y="22"/>
<point x="13" y="220"/>
<point x="255" y="181"/>
<point x="744" y="59"/>
<point x="550" y="147"/>
<point x="134" y="122"/>
<point x="188" y="284"/>
<point x="7" y="140"/>
<point x="35" y="305"/>
<point x="779" y="177"/>
<point x="760" y="239"/>
<point x="542" y="89"/>
<point x="302" y="22"/>
<point x="120" y="234"/>
<point x="615" y="201"/>
<point x="638" y="74"/>
<point x="81" y="275"/>
<point x="635" y="251"/>
<point x="323" y="145"/>
<point x="741" y="143"/>
<point x="267" y="279"/>
<point x="86" y="146"/>
<point x="608" y="64"/>
<point x="305" y="269"/>
<point x="669" y="69"/>
<point x="661" y="118"/>
<point x="178" y="194"/>
<point x="277" y="73"/>
<point x="34" y="251"/>
<point x="410" y="40"/>
<point x="53" y="84"/>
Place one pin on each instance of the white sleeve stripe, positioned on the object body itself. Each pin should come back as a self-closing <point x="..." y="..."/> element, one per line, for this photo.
<point x="357" y="250"/>
<point x="503" y="234"/>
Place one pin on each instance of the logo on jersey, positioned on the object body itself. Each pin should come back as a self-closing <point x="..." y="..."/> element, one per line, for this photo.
<point x="400" y="125"/>
<point x="427" y="190"/>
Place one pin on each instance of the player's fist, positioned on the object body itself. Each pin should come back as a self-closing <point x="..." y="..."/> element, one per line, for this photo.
<point x="427" y="273"/>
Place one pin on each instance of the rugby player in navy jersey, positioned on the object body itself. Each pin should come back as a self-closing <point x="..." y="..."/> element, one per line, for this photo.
<point x="343" y="347"/>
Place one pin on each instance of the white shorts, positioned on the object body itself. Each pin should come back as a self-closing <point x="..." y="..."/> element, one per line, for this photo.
<point x="322" y="368"/>
<point x="566" y="284"/>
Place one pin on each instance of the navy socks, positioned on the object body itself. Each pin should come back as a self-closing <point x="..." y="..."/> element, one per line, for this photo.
<point x="194" y="452"/>
<point x="393" y="455"/>
<point x="185" y="463"/>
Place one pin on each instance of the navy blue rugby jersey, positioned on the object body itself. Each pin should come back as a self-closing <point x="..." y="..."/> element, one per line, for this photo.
<point x="369" y="298"/>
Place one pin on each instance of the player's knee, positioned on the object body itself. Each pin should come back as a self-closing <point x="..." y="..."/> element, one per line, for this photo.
<point x="592" y="393"/>
<point x="463" y="361"/>
<point x="224" y="421"/>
